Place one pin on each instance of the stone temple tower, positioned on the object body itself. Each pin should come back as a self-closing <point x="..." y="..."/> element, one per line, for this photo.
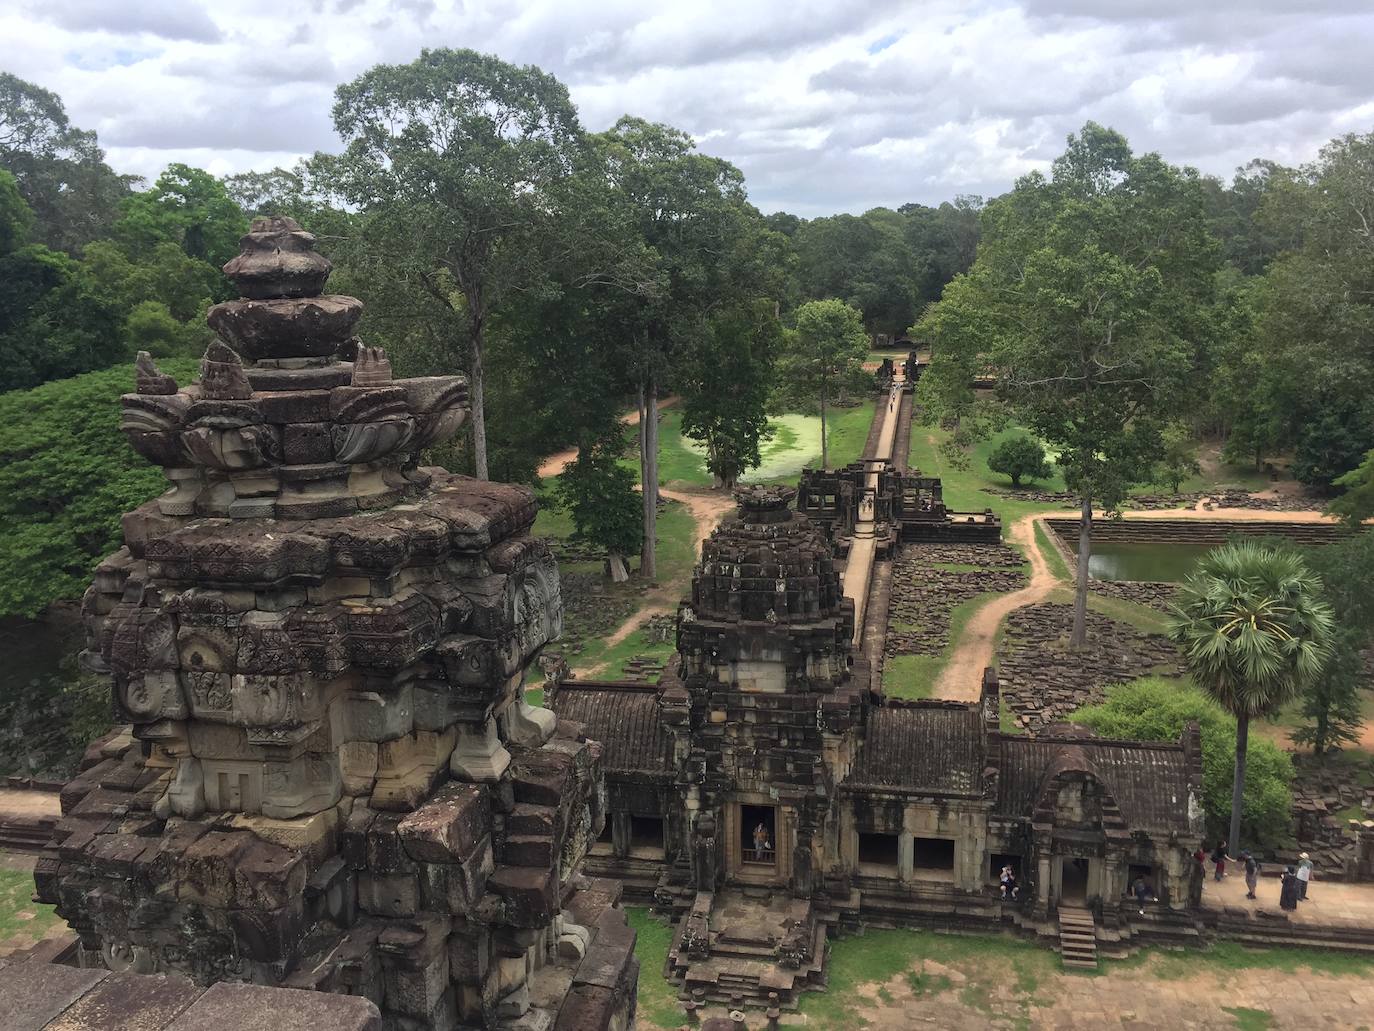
<point x="763" y="707"/>
<point x="330" y="777"/>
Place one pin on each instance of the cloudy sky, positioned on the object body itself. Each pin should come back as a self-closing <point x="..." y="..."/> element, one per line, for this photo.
<point x="825" y="106"/>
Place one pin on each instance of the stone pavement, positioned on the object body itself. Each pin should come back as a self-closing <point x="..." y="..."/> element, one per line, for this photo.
<point x="1329" y="903"/>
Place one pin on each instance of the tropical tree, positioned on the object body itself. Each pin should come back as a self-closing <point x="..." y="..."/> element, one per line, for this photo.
<point x="726" y="382"/>
<point x="454" y="162"/>
<point x="1357" y="503"/>
<point x="1254" y="632"/>
<point x="1086" y="305"/>
<point x="599" y="493"/>
<point x="1019" y="457"/>
<point x="826" y="351"/>
<point x="1179" y="456"/>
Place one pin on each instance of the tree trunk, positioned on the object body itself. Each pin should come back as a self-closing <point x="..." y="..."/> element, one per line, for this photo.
<point x="648" y="467"/>
<point x="475" y="399"/>
<point x="1079" y="637"/>
<point x="825" y="454"/>
<point x="1238" y="788"/>
<point x="615" y="566"/>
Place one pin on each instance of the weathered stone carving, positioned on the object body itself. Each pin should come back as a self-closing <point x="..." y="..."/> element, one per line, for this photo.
<point x="332" y="779"/>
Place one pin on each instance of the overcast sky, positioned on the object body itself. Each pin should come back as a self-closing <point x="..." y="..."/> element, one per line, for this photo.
<point x="825" y="106"/>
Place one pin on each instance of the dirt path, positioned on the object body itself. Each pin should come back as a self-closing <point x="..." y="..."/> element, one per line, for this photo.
<point x="962" y="676"/>
<point x="556" y="463"/>
<point x="707" y="509"/>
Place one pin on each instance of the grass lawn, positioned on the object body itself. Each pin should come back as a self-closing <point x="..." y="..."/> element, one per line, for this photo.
<point x="1142" y="617"/>
<point x="967" y="489"/>
<point x="635" y="644"/>
<point x="914" y="676"/>
<point x="22" y="921"/>
<point x="997" y="978"/>
<point x="1059" y="569"/>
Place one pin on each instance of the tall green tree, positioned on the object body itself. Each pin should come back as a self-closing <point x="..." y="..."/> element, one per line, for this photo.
<point x="864" y="261"/>
<point x="599" y="493"/>
<point x="1086" y="303"/>
<point x="51" y="322"/>
<point x="188" y="207"/>
<point x="67" y="475"/>
<point x="726" y="384"/>
<point x="826" y="350"/>
<point x="455" y="162"/>
<point x="1332" y="708"/>
<point x="60" y="169"/>
<point x="1254" y="632"/>
<point x="682" y="214"/>
<point x="1356" y="505"/>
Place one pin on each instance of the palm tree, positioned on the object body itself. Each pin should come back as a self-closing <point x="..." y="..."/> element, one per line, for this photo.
<point x="1254" y="631"/>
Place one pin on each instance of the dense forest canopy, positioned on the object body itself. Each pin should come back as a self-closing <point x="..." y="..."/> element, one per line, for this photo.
<point x="582" y="274"/>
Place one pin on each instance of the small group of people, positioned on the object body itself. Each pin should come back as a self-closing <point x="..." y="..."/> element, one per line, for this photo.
<point x="1293" y="883"/>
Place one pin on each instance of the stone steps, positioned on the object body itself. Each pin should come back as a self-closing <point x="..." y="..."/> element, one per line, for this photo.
<point x="1077" y="938"/>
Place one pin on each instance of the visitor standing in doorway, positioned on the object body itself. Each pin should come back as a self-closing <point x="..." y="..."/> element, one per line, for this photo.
<point x="1143" y="893"/>
<point x="1304" y="874"/>
<point x="760" y="840"/>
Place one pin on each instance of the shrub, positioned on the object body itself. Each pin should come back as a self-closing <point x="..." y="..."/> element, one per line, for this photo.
<point x="1156" y="709"/>
<point x="1017" y="457"/>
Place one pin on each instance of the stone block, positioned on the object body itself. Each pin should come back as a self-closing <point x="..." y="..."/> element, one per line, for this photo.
<point x="528" y="894"/>
<point x="408" y="767"/>
<point x="32" y="994"/>
<point x="358" y="767"/>
<point x="315" y="835"/>
<point x="389" y="895"/>
<point x="305" y="443"/>
<point x="371" y="716"/>
<point x="207" y="868"/>
<point x="479" y="754"/>
<point x="247" y="1007"/>
<point x="130" y="1002"/>
<point x="449" y="827"/>
<point x="267" y="876"/>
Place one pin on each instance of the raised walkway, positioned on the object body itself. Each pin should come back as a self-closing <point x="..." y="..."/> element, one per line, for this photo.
<point x="858" y="568"/>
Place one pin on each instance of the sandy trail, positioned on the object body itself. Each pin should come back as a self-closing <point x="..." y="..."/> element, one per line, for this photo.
<point x="962" y="676"/>
<point x="556" y="463"/>
<point x="707" y="508"/>
<point x="26" y="803"/>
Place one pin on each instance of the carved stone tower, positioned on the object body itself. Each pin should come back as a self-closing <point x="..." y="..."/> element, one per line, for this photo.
<point x="763" y="699"/>
<point x="331" y="778"/>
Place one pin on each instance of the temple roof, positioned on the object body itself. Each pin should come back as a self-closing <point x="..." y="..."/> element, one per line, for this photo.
<point x="930" y="748"/>
<point x="1148" y="781"/>
<point x="623" y="718"/>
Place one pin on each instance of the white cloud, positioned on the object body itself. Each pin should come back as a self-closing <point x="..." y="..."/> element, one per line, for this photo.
<point x="825" y="106"/>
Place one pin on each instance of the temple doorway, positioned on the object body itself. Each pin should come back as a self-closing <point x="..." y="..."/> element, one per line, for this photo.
<point x="758" y="838"/>
<point x="1073" y="880"/>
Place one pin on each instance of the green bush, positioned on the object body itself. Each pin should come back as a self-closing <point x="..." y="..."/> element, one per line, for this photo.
<point x="1019" y="457"/>
<point x="1156" y="709"/>
<point x="67" y="474"/>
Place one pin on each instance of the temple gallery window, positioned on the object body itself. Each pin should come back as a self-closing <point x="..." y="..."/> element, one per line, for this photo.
<point x="933" y="858"/>
<point x="646" y="837"/>
<point x="878" y="854"/>
<point x="758" y="841"/>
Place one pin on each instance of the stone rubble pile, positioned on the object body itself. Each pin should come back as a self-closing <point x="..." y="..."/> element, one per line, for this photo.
<point x="923" y="596"/>
<point x="1043" y="682"/>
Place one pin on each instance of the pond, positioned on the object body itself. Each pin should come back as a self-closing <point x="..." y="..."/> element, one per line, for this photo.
<point x="1170" y="563"/>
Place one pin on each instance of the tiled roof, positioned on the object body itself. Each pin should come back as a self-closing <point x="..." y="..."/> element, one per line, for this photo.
<point x="1148" y="781"/>
<point x="623" y="718"/>
<point x="929" y="748"/>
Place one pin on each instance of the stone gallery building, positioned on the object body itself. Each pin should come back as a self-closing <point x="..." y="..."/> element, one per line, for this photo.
<point x="765" y="792"/>
<point x="331" y="779"/>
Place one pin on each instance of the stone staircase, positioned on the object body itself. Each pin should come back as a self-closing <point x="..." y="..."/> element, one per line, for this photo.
<point x="749" y="963"/>
<point x="1077" y="938"/>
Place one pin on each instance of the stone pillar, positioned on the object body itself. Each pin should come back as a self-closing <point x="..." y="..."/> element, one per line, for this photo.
<point x="906" y="855"/>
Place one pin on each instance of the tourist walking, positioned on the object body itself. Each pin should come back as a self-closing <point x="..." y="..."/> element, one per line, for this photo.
<point x="1201" y="857"/>
<point x="1251" y="874"/>
<point x="1288" y="890"/>
<point x="1219" y="858"/>
<point x="1143" y="893"/>
<point x="1304" y="875"/>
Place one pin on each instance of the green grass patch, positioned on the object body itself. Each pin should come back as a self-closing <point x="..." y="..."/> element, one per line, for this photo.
<point x="1059" y="569"/>
<point x="635" y="645"/>
<point x="22" y="921"/>
<point x="847" y="430"/>
<point x="1248" y="1019"/>
<point x="658" y="1005"/>
<point x="914" y="676"/>
<point x="927" y="984"/>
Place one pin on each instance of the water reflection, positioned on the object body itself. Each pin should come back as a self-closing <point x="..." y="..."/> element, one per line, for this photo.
<point x="1115" y="560"/>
